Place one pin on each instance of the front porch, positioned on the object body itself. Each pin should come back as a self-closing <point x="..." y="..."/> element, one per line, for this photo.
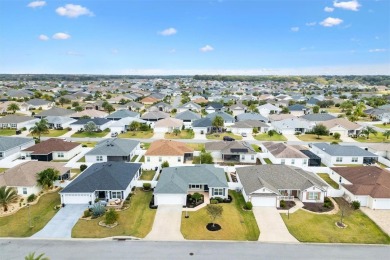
<point x="110" y="198"/>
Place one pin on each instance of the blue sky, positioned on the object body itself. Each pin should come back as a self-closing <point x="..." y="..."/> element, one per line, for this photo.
<point x="195" y="37"/>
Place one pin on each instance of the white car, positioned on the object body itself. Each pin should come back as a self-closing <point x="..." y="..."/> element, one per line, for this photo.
<point x="243" y="135"/>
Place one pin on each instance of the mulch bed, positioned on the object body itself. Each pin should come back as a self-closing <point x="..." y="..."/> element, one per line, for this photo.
<point x="316" y="207"/>
<point x="289" y="205"/>
<point x="213" y="227"/>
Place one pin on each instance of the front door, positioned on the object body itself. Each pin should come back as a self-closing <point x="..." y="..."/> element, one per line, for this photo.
<point x="102" y="195"/>
<point x="206" y="187"/>
<point x="294" y="193"/>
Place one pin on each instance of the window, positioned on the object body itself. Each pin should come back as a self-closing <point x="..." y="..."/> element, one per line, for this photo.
<point x="243" y="157"/>
<point x="304" y="161"/>
<point x="292" y="161"/>
<point x="179" y="159"/>
<point x="195" y="186"/>
<point x="99" y="158"/>
<point x="252" y="157"/>
<point x="60" y="155"/>
<point x="148" y="159"/>
<point x="160" y="159"/>
<point x="282" y="161"/>
<point x="354" y="159"/>
<point x="313" y="195"/>
<point x="13" y="125"/>
<point x="218" y="192"/>
<point x="339" y="159"/>
<point x="116" y="195"/>
<point x="24" y="191"/>
<point x="1" y="155"/>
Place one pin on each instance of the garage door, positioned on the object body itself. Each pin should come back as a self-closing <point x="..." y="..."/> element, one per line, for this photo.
<point x="76" y="198"/>
<point x="381" y="204"/>
<point x="263" y="201"/>
<point x="170" y="199"/>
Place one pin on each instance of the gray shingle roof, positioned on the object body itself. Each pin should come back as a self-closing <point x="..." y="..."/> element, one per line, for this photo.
<point x="8" y="119"/>
<point x="318" y="117"/>
<point x="230" y="147"/>
<point x="38" y="102"/>
<point x="203" y="122"/>
<point x="154" y="115"/>
<point x="251" y="116"/>
<point x="343" y="150"/>
<point x="122" y="114"/>
<point x="97" y="121"/>
<point x="56" y="111"/>
<point x="7" y="142"/>
<point x="225" y="116"/>
<point x="249" y="124"/>
<point x="114" y="147"/>
<point x="104" y="176"/>
<point x="187" y="115"/>
<point x="59" y="119"/>
<point x="175" y="180"/>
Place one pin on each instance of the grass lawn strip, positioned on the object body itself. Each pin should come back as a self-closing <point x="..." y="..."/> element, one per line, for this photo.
<point x="184" y="134"/>
<point x="379" y="138"/>
<point x="328" y="180"/>
<point x="7" y="132"/>
<point x="134" y="158"/>
<point x="220" y="136"/>
<point x="137" y="134"/>
<point x="195" y="146"/>
<point x="268" y="161"/>
<point x="147" y="175"/>
<point x="387" y="126"/>
<point x="91" y="135"/>
<point x="17" y="225"/>
<point x="136" y="221"/>
<point x="266" y="137"/>
<point x="236" y="223"/>
<point x="88" y="144"/>
<point x="314" y="138"/>
<point x="53" y="133"/>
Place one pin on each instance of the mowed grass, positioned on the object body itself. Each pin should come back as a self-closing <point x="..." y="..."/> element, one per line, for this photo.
<point x="256" y="147"/>
<point x="195" y="146"/>
<point x="267" y="161"/>
<point x="387" y="126"/>
<point x="88" y="144"/>
<point x="137" y="134"/>
<point x="266" y="137"/>
<point x="379" y="138"/>
<point x="220" y="136"/>
<point x="309" y="227"/>
<point x="236" y="223"/>
<point x="184" y="134"/>
<point x="136" y="221"/>
<point x="17" y="225"/>
<point x="328" y="180"/>
<point x="7" y="132"/>
<point x="90" y="135"/>
<point x="52" y="133"/>
<point x="314" y="138"/>
<point x="147" y="175"/>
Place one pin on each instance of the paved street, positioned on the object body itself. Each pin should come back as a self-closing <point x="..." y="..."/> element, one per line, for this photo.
<point x="11" y="249"/>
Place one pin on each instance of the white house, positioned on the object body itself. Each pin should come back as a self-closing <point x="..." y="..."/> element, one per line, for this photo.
<point x="113" y="149"/>
<point x="101" y="123"/>
<point x="247" y="127"/>
<point x="267" y="109"/>
<point x="291" y="126"/>
<point x="10" y="147"/>
<point x="281" y="153"/>
<point x="342" y="126"/>
<point x="167" y="125"/>
<point x="231" y="151"/>
<point x="17" y="122"/>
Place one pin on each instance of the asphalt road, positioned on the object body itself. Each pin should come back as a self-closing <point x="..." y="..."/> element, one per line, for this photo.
<point x="108" y="249"/>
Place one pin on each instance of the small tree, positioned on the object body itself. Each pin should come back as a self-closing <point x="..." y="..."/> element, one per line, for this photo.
<point x="316" y="109"/>
<point x="218" y="122"/>
<point x="386" y="134"/>
<point x="196" y="196"/>
<point x="134" y="126"/>
<point x="111" y="217"/>
<point x="337" y="136"/>
<point x="206" y="158"/>
<point x="90" y="127"/>
<point x="75" y="104"/>
<point x="83" y="167"/>
<point x="47" y="177"/>
<point x="7" y="196"/>
<point x="13" y="107"/>
<point x="41" y="127"/>
<point x="214" y="211"/>
<point x="109" y="108"/>
<point x="165" y="164"/>
<point x="285" y="110"/>
<point x="320" y="130"/>
<point x="78" y="109"/>
<point x="369" y="130"/>
<point x="271" y="133"/>
<point x="176" y="131"/>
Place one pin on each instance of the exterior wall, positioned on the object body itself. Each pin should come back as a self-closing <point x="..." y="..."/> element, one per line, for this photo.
<point x="198" y="130"/>
<point x="30" y="190"/>
<point x="380" y="203"/>
<point x="304" y="195"/>
<point x="248" y="158"/>
<point x="92" y="159"/>
<point x="154" y="161"/>
<point x="236" y="130"/>
<point x="68" y="155"/>
<point x="237" y="112"/>
<point x="338" y="129"/>
<point x="17" y="149"/>
<point x="225" y="192"/>
<point x="297" y="113"/>
<point x="77" y="198"/>
<point x="299" y="162"/>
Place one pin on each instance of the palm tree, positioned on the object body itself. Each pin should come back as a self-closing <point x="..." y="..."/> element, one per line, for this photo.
<point x="386" y="134"/>
<point x="7" y="196"/>
<point x="218" y="122"/>
<point x="13" y="107"/>
<point x="176" y="131"/>
<point x="359" y="109"/>
<point x="47" y="177"/>
<point x="41" y="127"/>
<point x="369" y="130"/>
<point x="31" y="256"/>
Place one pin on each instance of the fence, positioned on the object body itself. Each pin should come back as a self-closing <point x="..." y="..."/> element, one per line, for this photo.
<point x="331" y="192"/>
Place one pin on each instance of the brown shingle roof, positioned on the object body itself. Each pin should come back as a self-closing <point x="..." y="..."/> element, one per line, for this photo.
<point x="167" y="148"/>
<point x="366" y="180"/>
<point x="342" y="122"/>
<point x="52" y="144"/>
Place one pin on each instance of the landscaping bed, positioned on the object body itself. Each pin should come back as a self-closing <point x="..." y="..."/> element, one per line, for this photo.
<point x="316" y="207"/>
<point x="288" y="205"/>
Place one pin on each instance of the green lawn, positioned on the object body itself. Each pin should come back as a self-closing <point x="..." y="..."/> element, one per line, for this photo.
<point x="195" y="146"/>
<point x="220" y="136"/>
<point x="82" y="159"/>
<point x="387" y="126"/>
<point x="332" y="109"/>
<point x="256" y="148"/>
<point x="91" y="135"/>
<point x="267" y="161"/>
<point x="236" y="223"/>
<point x="17" y="225"/>
<point x="328" y="180"/>
<point x="75" y="172"/>
<point x="53" y="133"/>
<point x="3" y="169"/>
<point x="147" y="175"/>
<point x="379" y="138"/>
<point x="145" y="146"/>
<point x="313" y="138"/>
<point x="321" y="228"/>
<point x="137" y="134"/>
<point x="88" y="144"/>
<point x="7" y="132"/>
<point x="134" y="158"/>
<point x="184" y="134"/>
<point x="136" y="221"/>
<point x="266" y="137"/>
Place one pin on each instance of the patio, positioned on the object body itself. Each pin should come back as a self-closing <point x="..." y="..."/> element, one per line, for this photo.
<point x="206" y="200"/>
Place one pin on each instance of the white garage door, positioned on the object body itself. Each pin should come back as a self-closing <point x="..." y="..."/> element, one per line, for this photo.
<point x="76" y="198"/>
<point x="381" y="204"/>
<point x="263" y="201"/>
<point x="170" y="199"/>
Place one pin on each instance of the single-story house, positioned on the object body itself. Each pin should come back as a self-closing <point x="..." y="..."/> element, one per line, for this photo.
<point x="55" y="111"/>
<point x="298" y="110"/>
<point x="342" y="154"/>
<point x="188" y="117"/>
<point x="231" y="151"/>
<point x="173" y="152"/>
<point x="247" y="127"/>
<point x="56" y="122"/>
<point x="189" y="106"/>
<point x="120" y="114"/>
<point x="227" y="119"/>
<point x="213" y="107"/>
<point x="23" y="177"/>
<point x="40" y="104"/>
<point x="113" y="149"/>
<point x="381" y="149"/>
<point x="161" y="106"/>
<point x="281" y="153"/>
<point x="367" y="184"/>
<point x="105" y="181"/>
<point x="342" y="126"/>
<point x="202" y="126"/>
<point x="251" y="116"/>
<point x="89" y="113"/>
<point x="167" y="125"/>
<point x="267" y="185"/>
<point x="176" y="182"/>
<point x="238" y="109"/>
<point x="267" y="109"/>
<point x="12" y="146"/>
<point x="123" y="124"/>
<point x="292" y="126"/>
<point x="154" y="116"/>
<point x="52" y="149"/>
<point x="149" y="100"/>
<point x="17" y="122"/>
<point x="101" y="123"/>
<point x="318" y="118"/>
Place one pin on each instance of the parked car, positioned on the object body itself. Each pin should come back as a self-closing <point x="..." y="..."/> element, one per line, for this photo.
<point x="243" y="135"/>
<point x="228" y="138"/>
<point x="114" y="134"/>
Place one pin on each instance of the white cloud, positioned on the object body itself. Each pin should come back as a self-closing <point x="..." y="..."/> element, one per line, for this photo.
<point x="36" y="4"/>
<point x="294" y="29"/>
<point x="206" y="48"/>
<point x="168" y="32"/>
<point x="43" y="37"/>
<point x="349" y="5"/>
<point x="377" y="50"/>
<point x="73" y="11"/>
<point x="311" y="24"/>
<point x="61" y="36"/>
<point x="328" y="9"/>
<point x="330" y="21"/>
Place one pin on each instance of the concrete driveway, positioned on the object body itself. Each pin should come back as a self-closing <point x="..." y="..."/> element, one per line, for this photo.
<point x="272" y="227"/>
<point x="159" y="136"/>
<point x="60" y="226"/>
<point x="380" y="216"/>
<point x="199" y="136"/>
<point x="293" y="138"/>
<point x="166" y="226"/>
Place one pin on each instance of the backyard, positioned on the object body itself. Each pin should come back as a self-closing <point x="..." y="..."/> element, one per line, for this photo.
<point x="147" y="175"/>
<point x="196" y="146"/>
<point x="184" y="134"/>
<point x="266" y="137"/>
<point x="386" y="126"/>
<point x="88" y="144"/>
<point x="17" y="225"/>
<point x="236" y="223"/>
<point x="136" y="221"/>
<point x="379" y="138"/>
<point x="219" y="136"/>
<point x="328" y="180"/>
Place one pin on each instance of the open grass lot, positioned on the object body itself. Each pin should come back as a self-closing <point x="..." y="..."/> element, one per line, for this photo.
<point x="91" y="135"/>
<point x="136" y="221"/>
<point x="220" y="136"/>
<point x="313" y="138"/>
<point x="266" y="137"/>
<point x="147" y="175"/>
<point x="236" y="223"/>
<point x="7" y="132"/>
<point x="309" y="227"/>
<point x="88" y="144"/>
<point x="184" y="134"/>
<point x="17" y="224"/>
<point x="53" y="133"/>
<point x="195" y="146"/>
<point x="387" y="126"/>
<point x="328" y="180"/>
<point x="332" y="109"/>
<point x="379" y="138"/>
<point x="137" y="134"/>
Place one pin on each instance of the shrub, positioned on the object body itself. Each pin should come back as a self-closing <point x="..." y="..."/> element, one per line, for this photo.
<point x="84" y="145"/>
<point x="69" y="128"/>
<point x="328" y="204"/>
<point x="355" y="204"/>
<point x="111" y="217"/>
<point x="83" y="167"/>
<point x="147" y="186"/>
<point x="282" y="204"/>
<point x="213" y="201"/>
<point x="219" y="199"/>
<point x="31" y="198"/>
<point x="98" y="209"/>
<point x="337" y="136"/>
<point x="165" y="164"/>
<point x="248" y="205"/>
<point x="87" y="213"/>
<point x="24" y="129"/>
<point x="326" y="199"/>
<point x="107" y="130"/>
<point x="297" y="133"/>
<point x="334" y="142"/>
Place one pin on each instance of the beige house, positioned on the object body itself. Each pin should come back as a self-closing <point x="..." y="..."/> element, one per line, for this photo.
<point x="167" y="125"/>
